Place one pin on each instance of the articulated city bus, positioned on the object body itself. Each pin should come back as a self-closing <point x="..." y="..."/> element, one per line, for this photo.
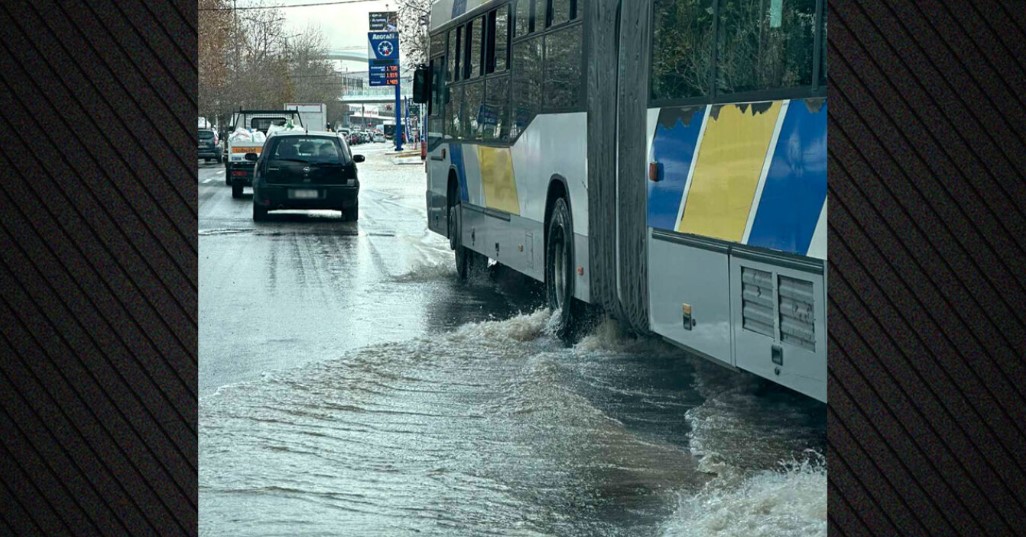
<point x="663" y="160"/>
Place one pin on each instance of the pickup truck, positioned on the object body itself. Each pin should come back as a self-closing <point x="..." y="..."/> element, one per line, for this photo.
<point x="248" y="133"/>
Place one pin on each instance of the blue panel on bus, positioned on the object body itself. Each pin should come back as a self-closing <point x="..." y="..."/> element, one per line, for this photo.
<point x="673" y="146"/>
<point x="456" y="156"/>
<point x="796" y="185"/>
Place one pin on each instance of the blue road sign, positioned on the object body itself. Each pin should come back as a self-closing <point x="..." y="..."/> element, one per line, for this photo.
<point x="383" y="58"/>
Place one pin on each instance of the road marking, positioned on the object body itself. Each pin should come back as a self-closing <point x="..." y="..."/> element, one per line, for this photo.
<point x="208" y="180"/>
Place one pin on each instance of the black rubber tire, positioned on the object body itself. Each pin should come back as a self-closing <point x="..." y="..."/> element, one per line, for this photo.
<point x="237" y="190"/>
<point x="353" y="214"/>
<point x="468" y="261"/>
<point x="560" y="242"/>
<point x="227" y="174"/>
<point x="259" y="213"/>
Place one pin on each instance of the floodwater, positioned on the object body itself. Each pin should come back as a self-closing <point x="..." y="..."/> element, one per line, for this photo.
<point x="497" y="429"/>
<point x="349" y="386"/>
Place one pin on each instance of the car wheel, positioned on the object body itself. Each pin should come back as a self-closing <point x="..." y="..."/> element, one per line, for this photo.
<point x="559" y="270"/>
<point x="236" y="190"/>
<point x="259" y="213"/>
<point x="352" y="214"/>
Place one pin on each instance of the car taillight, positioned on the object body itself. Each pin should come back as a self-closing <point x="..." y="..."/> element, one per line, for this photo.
<point x="423" y="150"/>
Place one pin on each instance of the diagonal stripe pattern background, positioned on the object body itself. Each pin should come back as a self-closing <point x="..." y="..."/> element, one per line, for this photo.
<point x="927" y="280"/>
<point x="98" y="268"/>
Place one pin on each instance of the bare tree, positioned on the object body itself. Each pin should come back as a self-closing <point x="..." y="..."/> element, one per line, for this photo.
<point x="215" y="33"/>
<point x="413" y="30"/>
<point x="247" y="60"/>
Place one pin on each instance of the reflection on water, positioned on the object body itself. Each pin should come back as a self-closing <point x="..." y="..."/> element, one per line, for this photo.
<point x="496" y="428"/>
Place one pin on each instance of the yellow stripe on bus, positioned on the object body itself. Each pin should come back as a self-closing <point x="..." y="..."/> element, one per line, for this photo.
<point x="500" y="189"/>
<point x="727" y="170"/>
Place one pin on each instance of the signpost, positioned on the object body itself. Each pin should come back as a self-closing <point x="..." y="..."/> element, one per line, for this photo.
<point x="384" y="21"/>
<point x="383" y="60"/>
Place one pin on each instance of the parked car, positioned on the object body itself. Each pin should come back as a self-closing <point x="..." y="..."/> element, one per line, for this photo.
<point x="379" y="138"/>
<point x="306" y="170"/>
<point x="207" y="145"/>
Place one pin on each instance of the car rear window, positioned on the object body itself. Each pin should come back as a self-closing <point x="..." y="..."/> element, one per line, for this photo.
<point x="264" y="123"/>
<point x="310" y="149"/>
<point x="206" y="135"/>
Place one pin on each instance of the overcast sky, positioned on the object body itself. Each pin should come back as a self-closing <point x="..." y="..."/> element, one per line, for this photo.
<point x="344" y="26"/>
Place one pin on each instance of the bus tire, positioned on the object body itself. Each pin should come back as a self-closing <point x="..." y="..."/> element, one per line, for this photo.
<point x="559" y="271"/>
<point x="467" y="260"/>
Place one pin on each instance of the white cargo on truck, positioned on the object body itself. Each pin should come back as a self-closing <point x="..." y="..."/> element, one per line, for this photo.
<point x="250" y="129"/>
<point x="315" y="115"/>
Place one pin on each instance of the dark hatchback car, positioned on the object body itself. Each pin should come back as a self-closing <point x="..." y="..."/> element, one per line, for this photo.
<point x="311" y="170"/>
<point x="207" y="147"/>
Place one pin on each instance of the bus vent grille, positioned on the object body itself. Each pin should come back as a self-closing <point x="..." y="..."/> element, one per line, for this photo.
<point x="797" y="317"/>
<point x="757" y="301"/>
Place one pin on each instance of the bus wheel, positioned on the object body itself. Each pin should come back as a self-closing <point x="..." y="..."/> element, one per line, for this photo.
<point x="559" y="271"/>
<point x="467" y="260"/>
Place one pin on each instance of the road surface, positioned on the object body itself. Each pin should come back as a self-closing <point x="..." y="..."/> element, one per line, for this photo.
<point x="349" y="385"/>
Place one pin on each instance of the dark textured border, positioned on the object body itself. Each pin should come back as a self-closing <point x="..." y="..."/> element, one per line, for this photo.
<point x="927" y="274"/>
<point x="98" y="268"/>
<point x="98" y="253"/>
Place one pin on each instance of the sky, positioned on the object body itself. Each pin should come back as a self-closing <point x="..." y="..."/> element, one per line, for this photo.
<point x="344" y="26"/>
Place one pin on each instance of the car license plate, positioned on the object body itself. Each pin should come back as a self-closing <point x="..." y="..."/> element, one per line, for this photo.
<point x="303" y="194"/>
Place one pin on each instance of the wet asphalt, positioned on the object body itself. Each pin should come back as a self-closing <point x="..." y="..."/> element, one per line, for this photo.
<point x="349" y="385"/>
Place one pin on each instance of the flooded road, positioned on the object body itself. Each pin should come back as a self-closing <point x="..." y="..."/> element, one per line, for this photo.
<point x="350" y="386"/>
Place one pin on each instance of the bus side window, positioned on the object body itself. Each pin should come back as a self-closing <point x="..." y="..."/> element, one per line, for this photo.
<point x="527" y="81"/>
<point x="682" y="49"/>
<point x="497" y="46"/>
<point x="475" y="31"/>
<point x="765" y="46"/>
<point x="562" y="88"/>
<point x="451" y="56"/>
<point x="560" y="12"/>
<point x="524" y="20"/>
<point x="823" y="52"/>
<point x="454" y="112"/>
<point x="437" y="86"/>
<point x="468" y="36"/>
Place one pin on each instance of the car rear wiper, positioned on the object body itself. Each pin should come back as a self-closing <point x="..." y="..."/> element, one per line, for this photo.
<point x="326" y="164"/>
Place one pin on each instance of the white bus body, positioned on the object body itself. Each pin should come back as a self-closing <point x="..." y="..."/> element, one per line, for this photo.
<point x="695" y="183"/>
